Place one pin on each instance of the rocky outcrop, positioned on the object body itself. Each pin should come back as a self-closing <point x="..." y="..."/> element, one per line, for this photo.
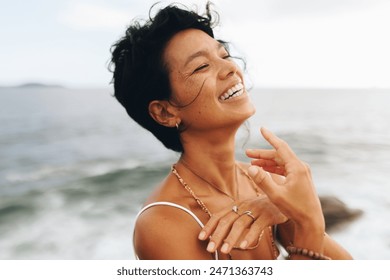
<point x="337" y="213"/>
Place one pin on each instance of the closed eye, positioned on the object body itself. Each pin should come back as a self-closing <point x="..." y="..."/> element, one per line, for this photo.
<point x="227" y="56"/>
<point x="203" y="66"/>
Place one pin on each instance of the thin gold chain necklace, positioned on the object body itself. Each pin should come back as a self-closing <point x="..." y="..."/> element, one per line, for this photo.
<point x="185" y="164"/>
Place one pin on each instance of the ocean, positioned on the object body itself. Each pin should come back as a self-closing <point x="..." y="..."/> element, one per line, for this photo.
<point x="74" y="169"/>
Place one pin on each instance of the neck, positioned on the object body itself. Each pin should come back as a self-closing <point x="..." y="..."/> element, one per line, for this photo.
<point x="213" y="161"/>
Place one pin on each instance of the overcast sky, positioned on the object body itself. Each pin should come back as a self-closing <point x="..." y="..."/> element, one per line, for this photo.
<point x="287" y="43"/>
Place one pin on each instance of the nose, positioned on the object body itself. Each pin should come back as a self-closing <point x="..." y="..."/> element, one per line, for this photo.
<point x="227" y="68"/>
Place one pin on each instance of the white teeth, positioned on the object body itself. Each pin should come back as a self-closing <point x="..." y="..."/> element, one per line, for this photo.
<point x="234" y="91"/>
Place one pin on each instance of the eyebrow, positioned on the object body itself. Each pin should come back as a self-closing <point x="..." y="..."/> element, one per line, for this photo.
<point x="201" y="53"/>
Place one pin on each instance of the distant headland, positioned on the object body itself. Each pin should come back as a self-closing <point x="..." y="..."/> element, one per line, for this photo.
<point x="34" y="85"/>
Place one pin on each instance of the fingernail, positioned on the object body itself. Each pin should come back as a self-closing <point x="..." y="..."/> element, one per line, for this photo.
<point x="202" y="235"/>
<point x="211" y="247"/>
<point x="252" y="171"/>
<point x="225" y="248"/>
<point x="244" y="244"/>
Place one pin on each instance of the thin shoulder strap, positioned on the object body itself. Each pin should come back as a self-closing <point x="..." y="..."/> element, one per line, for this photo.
<point x="166" y="203"/>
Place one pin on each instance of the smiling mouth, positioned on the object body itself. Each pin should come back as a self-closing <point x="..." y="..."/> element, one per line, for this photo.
<point x="233" y="92"/>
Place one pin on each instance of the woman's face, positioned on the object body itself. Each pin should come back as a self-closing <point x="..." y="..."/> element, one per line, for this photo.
<point x="207" y="85"/>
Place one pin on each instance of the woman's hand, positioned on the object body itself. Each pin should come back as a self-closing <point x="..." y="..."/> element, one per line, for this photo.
<point x="233" y="224"/>
<point x="296" y="196"/>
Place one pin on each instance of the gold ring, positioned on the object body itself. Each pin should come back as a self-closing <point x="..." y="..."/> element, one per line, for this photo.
<point x="249" y="213"/>
<point x="235" y="209"/>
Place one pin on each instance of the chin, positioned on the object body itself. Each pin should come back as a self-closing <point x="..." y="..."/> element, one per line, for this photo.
<point x="243" y="116"/>
<point x="249" y="111"/>
<point x="240" y="112"/>
<point x="253" y="110"/>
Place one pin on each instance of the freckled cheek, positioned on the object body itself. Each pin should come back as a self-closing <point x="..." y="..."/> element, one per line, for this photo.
<point x="187" y="92"/>
<point x="193" y="88"/>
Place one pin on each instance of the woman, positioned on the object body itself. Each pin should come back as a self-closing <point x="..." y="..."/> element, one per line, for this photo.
<point x="176" y="80"/>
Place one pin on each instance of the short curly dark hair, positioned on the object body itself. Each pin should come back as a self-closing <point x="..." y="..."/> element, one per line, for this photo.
<point x="140" y="75"/>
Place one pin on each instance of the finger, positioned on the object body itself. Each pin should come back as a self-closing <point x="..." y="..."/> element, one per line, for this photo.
<point x="253" y="235"/>
<point x="208" y="228"/>
<point x="269" y="166"/>
<point x="282" y="148"/>
<point x="260" y="153"/>
<point x="239" y="226"/>
<point x="276" y="170"/>
<point x="212" y="223"/>
<point x="221" y="231"/>
<point x="264" y="181"/>
<point x="264" y="162"/>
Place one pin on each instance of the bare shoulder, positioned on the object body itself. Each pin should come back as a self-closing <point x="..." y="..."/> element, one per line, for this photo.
<point x="165" y="232"/>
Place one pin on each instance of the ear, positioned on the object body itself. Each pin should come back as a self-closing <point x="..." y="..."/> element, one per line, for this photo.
<point x="163" y="113"/>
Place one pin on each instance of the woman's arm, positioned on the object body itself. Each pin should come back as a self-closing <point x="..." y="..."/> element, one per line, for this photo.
<point x="296" y="197"/>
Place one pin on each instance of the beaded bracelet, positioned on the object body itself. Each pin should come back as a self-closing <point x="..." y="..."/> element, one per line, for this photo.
<point x="305" y="252"/>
